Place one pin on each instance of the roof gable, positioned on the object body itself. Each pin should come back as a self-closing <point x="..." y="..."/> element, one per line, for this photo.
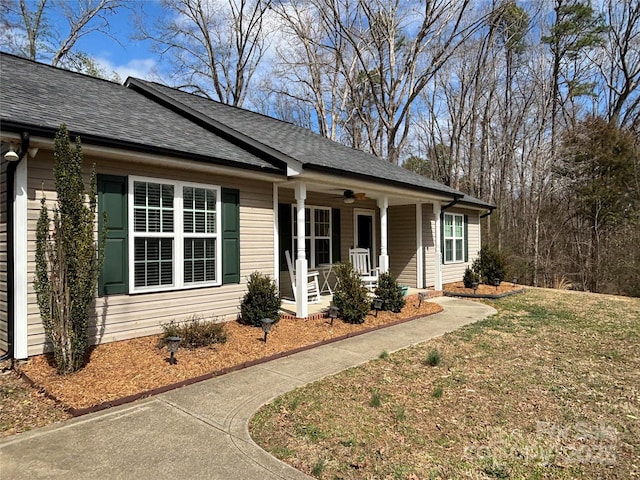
<point x="39" y="97"/>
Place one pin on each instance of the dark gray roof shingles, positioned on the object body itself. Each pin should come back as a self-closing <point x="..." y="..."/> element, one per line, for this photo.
<point x="42" y="96"/>
<point x="303" y="145"/>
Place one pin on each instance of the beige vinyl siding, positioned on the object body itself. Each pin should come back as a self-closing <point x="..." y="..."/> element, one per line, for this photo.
<point x="119" y="317"/>
<point x="401" y="224"/>
<point x="4" y="266"/>
<point x="429" y="244"/>
<point x="453" y="272"/>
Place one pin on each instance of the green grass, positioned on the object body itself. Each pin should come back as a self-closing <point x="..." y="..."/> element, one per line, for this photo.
<point x="552" y="374"/>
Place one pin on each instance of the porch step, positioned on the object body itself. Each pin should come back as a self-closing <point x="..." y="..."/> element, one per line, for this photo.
<point x="312" y="316"/>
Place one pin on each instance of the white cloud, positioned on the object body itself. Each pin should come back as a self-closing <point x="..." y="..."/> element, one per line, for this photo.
<point x="145" y="68"/>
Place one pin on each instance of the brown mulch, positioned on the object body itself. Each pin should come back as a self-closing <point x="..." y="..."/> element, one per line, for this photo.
<point x="504" y="287"/>
<point x="126" y="368"/>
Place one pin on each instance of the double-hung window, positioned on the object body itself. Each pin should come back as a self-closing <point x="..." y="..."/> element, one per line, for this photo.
<point x="453" y="238"/>
<point x="317" y="234"/>
<point x="174" y="230"/>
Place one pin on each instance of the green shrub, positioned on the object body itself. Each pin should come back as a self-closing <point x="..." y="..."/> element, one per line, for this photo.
<point x="349" y="295"/>
<point x="490" y="265"/>
<point x="68" y="257"/>
<point x="262" y="300"/>
<point x="195" y="332"/>
<point x="392" y="294"/>
<point x="469" y="278"/>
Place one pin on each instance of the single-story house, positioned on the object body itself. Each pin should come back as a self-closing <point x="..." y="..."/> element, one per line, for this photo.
<point x="198" y="195"/>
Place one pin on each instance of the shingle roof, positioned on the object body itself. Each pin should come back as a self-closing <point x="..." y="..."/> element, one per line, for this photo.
<point x="42" y="97"/>
<point x="312" y="150"/>
<point x="155" y="118"/>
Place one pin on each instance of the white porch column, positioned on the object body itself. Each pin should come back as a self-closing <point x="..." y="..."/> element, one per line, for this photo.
<point x="419" y="248"/>
<point x="276" y="237"/>
<point x="20" y="333"/>
<point x="383" y="261"/>
<point x="438" y="250"/>
<point x="302" y="302"/>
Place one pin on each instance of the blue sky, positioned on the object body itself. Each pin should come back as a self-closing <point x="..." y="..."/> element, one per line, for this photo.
<point x="125" y="56"/>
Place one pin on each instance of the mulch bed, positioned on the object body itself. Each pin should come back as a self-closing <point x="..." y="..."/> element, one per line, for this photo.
<point x="133" y="368"/>
<point x="483" y="290"/>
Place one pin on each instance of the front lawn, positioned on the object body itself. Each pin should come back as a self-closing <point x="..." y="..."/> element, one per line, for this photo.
<point x="547" y="388"/>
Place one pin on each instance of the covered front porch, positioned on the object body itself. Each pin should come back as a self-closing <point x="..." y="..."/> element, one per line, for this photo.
<point x="400" y="228"/>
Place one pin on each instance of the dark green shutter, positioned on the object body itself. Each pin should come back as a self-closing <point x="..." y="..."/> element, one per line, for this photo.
<point x="465" y="223"/>
<point x="230" y="236"/>
<point x="335" y="234"/>
<point x="285" y="234"/>
<point x="112" y="200"/>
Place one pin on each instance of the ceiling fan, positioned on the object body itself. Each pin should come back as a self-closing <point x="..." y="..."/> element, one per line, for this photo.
<point x="350" y="196"/>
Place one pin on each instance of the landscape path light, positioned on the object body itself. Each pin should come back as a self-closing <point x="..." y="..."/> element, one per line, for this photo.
<point x="377" y="305"/>
<point x="421" y="297"/>
<point x="266" y="327"/>
<point x="172" y="345"/>
<point x="474" y="285"/>
<point x="333" y="313"/>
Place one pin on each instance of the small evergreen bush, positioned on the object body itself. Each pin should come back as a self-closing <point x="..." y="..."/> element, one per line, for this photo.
<point x="349" y="295"/>
<point x="262" y="300"/>
<point x="490" y="265"/>
<point x="469" y="278"/>
<point x="389" y="291"/>
<point x="195" y="332"/>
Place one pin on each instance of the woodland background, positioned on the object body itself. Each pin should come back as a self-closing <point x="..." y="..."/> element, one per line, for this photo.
<point x="533" y="106"/>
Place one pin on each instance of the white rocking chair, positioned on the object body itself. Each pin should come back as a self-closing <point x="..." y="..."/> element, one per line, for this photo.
<point x="361" y="261"/>
<point x="313" y="286"/>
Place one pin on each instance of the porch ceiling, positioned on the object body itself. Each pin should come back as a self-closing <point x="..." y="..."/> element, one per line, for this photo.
<point x="335" y="186"/>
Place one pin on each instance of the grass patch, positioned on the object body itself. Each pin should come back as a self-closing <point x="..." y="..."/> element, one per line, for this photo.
<point x="376" y="398"/>
<point x="433" y="359"/>
<point x="437" y="392"/>
<point x="547" y="388"/>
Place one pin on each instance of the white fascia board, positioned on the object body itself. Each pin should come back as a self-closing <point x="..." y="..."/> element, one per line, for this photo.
<point x="141" y="158"/>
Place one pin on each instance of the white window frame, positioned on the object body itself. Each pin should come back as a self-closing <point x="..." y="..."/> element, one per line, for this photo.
<point x="453" y="237"/>
<point x="311" y="253"/>
<point x="178" y="236"/>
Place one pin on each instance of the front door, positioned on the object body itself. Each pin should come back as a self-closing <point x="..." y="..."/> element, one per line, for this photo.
<point x="364" y="232"/>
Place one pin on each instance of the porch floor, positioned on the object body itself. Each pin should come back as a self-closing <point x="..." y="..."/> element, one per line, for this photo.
<point x="318" y="310"/>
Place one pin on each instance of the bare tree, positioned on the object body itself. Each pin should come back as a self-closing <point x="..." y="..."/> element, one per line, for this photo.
<point x="213" y="46"/>
<point x="33" y="35"/>
<point x="619" y="62"/>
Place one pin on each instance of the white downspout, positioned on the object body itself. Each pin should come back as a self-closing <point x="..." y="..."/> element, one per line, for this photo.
<point x="302" y="300"/>
<point x="383" y="263"/>
<point x="438" y="249"/>
<point x="20" y="326"/>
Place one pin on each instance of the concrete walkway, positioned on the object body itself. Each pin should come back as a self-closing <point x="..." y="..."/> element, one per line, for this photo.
<point x="200" y="431"/>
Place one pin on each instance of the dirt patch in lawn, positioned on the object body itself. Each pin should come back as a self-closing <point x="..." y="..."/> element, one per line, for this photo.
<point x="458" y="288"/>
<point x="548" y="388"/>
<point x="131" y="367"/>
